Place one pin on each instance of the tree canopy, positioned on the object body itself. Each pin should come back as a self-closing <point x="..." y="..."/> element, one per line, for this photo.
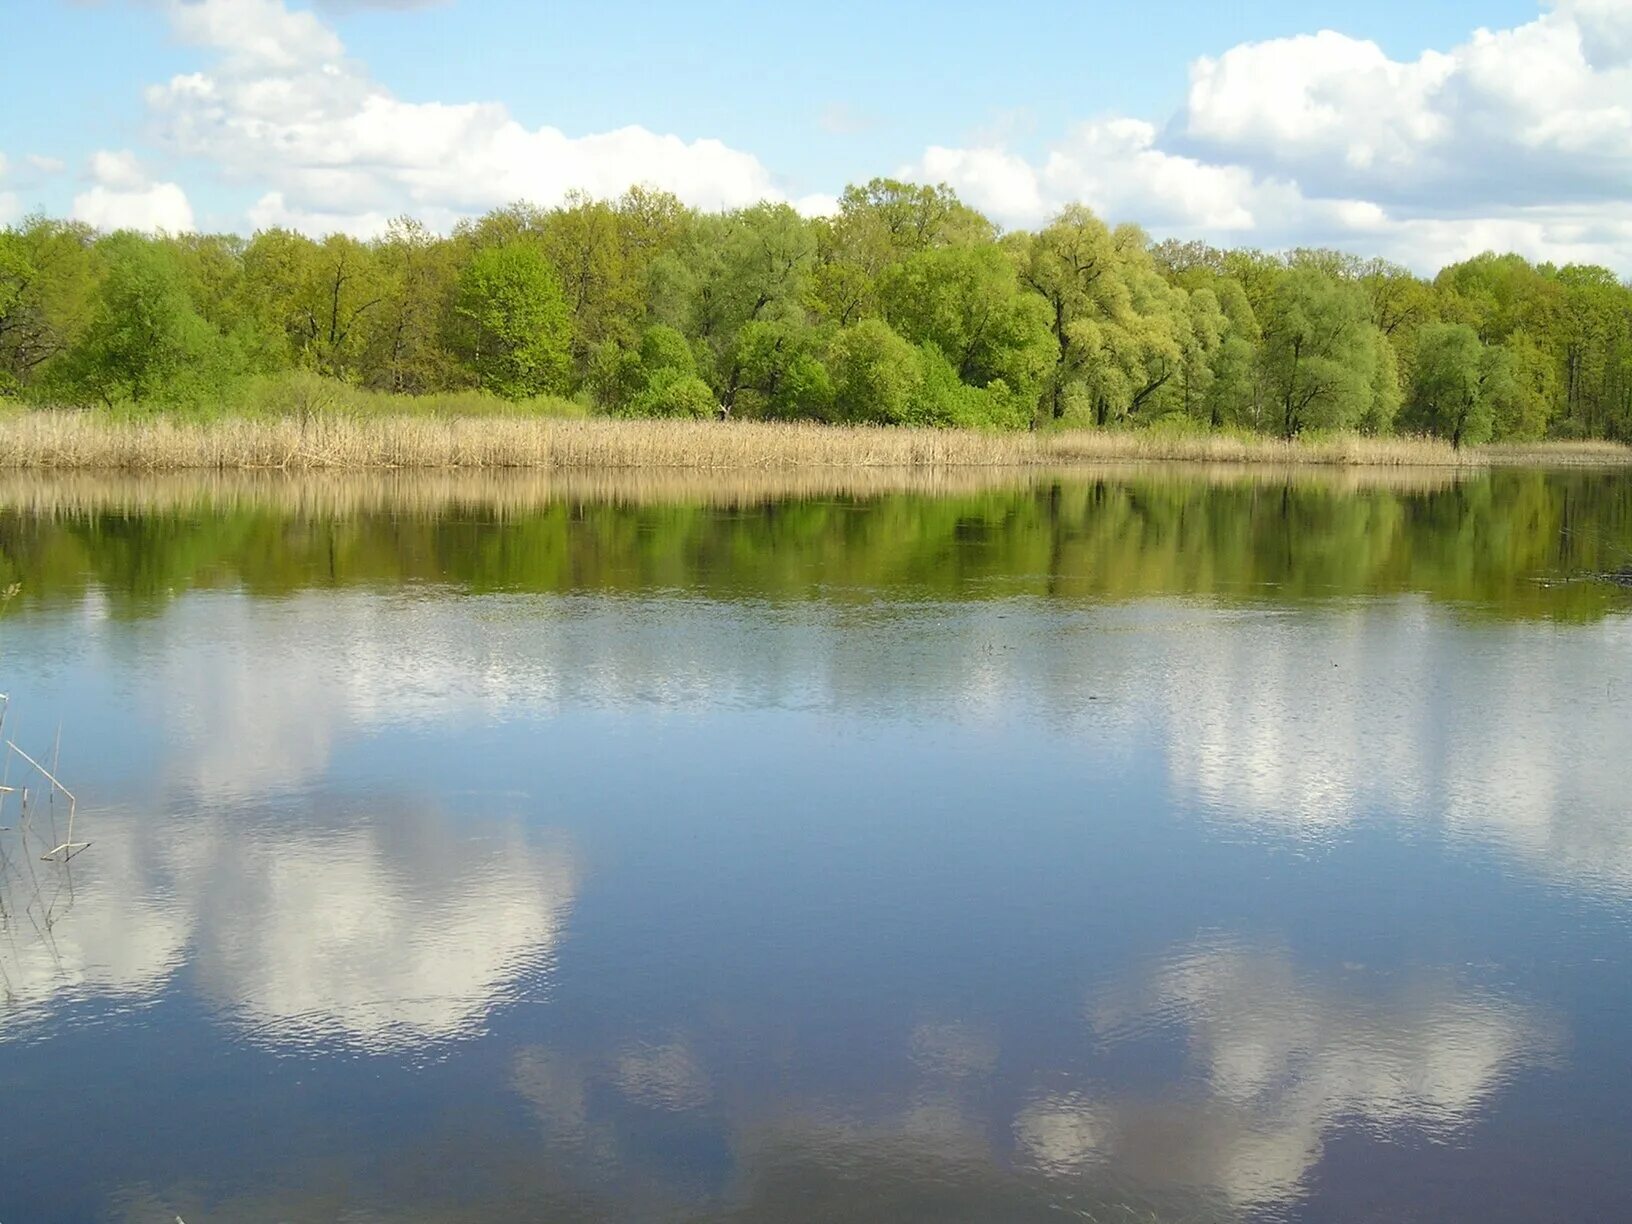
<point x="905" y="306"/>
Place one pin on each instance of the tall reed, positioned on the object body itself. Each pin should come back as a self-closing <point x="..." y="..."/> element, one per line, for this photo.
<point x="83" y="440"/>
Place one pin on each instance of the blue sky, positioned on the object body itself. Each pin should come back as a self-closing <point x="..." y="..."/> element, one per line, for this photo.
<point x="1019" y="106"/>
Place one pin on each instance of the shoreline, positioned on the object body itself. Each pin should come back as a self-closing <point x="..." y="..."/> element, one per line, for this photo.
<point x="507" y="492"/>
<point x="81" y="441"/>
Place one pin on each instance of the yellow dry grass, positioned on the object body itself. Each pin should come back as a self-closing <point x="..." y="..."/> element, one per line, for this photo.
<point x="81" y="440"/>
<point x="515" y="492"/>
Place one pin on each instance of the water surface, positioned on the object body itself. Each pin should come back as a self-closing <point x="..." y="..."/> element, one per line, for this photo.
<point x="1123" y="845"/>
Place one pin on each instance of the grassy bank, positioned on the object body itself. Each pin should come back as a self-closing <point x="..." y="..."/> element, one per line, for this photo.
<point x="516" y="492"/>
<point x="91" y="441"/>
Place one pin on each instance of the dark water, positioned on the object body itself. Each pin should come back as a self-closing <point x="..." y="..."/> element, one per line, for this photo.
<point x="1133" y="847"/>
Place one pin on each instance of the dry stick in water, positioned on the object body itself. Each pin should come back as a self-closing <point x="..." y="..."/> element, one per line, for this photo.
<point x="70" y="847"/>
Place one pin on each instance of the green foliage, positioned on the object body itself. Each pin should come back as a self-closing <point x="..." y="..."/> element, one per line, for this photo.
<point x="1468" y="391"/>
<point x="877" y="376"/>
<point x="1320" y="353"/>
<point x="657" y="380"/>
<point x="48" y="278"/>
<point x="145" y="342"/>
<point x="511" y="325"/>
<point x="664" y="349"/>
<point x="777" y="372"/>
<point x="967" y="302"/>
<point x="671" y="393"/>
<point x="906" y="306"/>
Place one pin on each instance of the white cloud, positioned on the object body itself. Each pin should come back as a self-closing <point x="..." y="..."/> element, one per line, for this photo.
<point x="1517" y="139"/>
<point x="282" y="107"/>
<point x="1318" y="96"/>
<point x="818" y="204"/>
<point x="352" y="6"/>
<point x="990" y="178"/>
<point x="10" y="207"/>
<point x="255" y="32"/>
<point x="46" y="165"/>
<point x="124" y="197"/>
<point x="118" y="170"/>
<point x="1536" y="115"/>
<point x="273" y="211"/>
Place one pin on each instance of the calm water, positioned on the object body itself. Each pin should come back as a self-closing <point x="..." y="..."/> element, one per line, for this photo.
<point x="1136" y="846"/>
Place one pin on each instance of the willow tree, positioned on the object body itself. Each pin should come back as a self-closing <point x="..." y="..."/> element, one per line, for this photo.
<point x="967" y="302"/>
<point x="48" y="278"/>
<point x="417" y="279"/>
<point x="145" y="342"/>
<point x="511" y="325"/>
<point x="1319" y="355"/>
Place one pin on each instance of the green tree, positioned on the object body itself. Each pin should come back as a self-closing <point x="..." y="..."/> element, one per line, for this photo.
<point x="145" y="341"/>
<point x="405" y="352"/>
<point x="966" y="301"/>
<point x="876" y="375"/>
<point x="512" y="328"/>
<point x="779" y="370"/>
<point x="1457" y="381"/>
<point x="48" y="276"/>
<point x="1319" y="353"/>
<point x="1522" y="403"/>
<point x="878" y="225"/>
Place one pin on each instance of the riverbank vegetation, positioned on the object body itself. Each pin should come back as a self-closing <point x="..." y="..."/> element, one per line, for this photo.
<point x="906" y="307"/>
<point x="493" y="441"/>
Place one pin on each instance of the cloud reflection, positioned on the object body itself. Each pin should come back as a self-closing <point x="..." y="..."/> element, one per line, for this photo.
<point x="1507" y="735"/>
<point x="389" y="931"/>
<point x="59" y="941"/>
<point x="1249" y="1066"/>
<point x="1285" y="1060"/>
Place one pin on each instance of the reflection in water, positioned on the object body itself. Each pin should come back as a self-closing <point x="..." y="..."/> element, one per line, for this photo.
<point x="1285" y="1060"/>
<point x="507" y="494"/>
<point x="63" y="942"/>
<point x="885" y="825"/>
<point x="393" y="932"/>
<point x="665" y="1076"/>
<point x="1508" y="735"/>
<point x="1515" y="544"/>
<point x="1282" y="1060"/>
<point x="389" y="937"/>
<point x="1290" y="722"/>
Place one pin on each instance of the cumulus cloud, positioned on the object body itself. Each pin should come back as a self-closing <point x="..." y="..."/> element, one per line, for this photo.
<point x="10" y="207"/>
<point x="118" y="170"/>
<point x="282" y="106"/>
<point x="1517" y="139"/>
<point x="352" y="6"/>
<point x="122" y="196"/>
<point x="1535" y="115"/>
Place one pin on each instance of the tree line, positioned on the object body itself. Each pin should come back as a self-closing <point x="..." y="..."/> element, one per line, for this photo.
<point x="905" y="307"/>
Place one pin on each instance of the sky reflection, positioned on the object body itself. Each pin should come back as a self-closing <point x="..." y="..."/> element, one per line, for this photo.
<point x="421" y="904"/>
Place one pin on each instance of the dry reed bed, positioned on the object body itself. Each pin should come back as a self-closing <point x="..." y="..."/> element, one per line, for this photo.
<point x="513" y="492"/>
<point x="77" y="440"/>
